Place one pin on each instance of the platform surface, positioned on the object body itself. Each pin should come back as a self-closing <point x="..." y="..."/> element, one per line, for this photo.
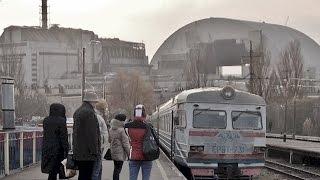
<point x="162" y="169"/>
<point x="305" y="146"/>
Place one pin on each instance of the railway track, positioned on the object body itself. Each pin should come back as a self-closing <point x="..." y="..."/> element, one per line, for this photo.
<point x="291" y="171"/>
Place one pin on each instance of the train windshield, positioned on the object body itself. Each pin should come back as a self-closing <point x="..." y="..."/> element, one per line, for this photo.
<point x="246" y="120"/>
<point x="209" y="119"/>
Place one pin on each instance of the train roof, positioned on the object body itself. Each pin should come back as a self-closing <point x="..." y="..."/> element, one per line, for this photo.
<point x="214" y="95"/>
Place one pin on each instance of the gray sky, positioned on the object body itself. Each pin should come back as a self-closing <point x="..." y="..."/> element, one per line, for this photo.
<point x="152" y="21"/>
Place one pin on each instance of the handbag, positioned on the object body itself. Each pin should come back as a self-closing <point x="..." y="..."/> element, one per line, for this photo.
<point x="107" y="156"/>
<point x="70" y="162"/>
<point x="151" y="150"/>
<point x="64" y="172"/>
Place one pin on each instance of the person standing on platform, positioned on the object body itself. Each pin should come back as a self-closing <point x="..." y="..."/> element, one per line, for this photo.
<point x="86" y="136"/>
<point x="55" y="141"/>
<point x="119" y="144"/>
<point x="137" y="130"/>
<point x="101" y="107"/>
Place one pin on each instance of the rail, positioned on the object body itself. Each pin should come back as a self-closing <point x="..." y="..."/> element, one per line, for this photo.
<point x="291" y="171"/>
<point x="21" y="148"/>
<point x="296" y="137"/>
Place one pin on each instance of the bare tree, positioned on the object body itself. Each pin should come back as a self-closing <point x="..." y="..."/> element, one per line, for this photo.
<point x="290" y="71"/>
<point x="11" y="64"/>
<point x="196" y="69"/>
<point x="262" y="75"/>
<point x="28" y="103"/>
<point x="128" y="90"/>
<point x="31" y="104"/>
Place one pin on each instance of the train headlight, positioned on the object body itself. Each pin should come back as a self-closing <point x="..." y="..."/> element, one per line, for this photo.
<point x="200" y="148"/>
<point x="228" y="92"/>
<point x="258" y="150"/>
<point x="196" y="148"/>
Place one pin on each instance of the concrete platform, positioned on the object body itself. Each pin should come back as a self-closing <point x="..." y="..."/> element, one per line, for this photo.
<point x="162" y="169"/>
<point x="296" y="145"/>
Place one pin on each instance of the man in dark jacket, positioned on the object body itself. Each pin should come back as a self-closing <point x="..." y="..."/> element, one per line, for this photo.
<point x="55" y="141"/>
<point x="86" y="136"/>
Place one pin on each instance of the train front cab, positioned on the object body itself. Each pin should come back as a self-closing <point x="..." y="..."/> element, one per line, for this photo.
<point x="224" y="140"/>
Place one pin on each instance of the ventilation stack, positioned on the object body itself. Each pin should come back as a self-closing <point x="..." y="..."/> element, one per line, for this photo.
<point x="44" y="13"/>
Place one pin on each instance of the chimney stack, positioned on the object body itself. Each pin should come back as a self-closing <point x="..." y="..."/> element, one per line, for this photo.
<point x="44" y="12"/>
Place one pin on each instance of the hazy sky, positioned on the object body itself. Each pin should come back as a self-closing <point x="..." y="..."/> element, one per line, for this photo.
<point x="152" y="21"/>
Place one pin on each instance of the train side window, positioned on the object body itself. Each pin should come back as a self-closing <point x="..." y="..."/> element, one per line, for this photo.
<point x="165" y="123"/>
<point x="169" y="122"/>
<point x="167" y="129"/>
<point x="182" y="118"/>
<point x="162" y="123"/>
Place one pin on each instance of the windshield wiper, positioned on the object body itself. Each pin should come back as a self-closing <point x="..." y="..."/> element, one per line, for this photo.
<point x="201" y="111"/>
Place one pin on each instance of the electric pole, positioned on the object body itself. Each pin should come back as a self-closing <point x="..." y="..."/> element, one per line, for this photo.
<point x="251" y="67"/>
<point x="83" y="73"/>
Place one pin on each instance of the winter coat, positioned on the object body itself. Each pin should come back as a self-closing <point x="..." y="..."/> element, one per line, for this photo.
<point x="55" y="139"/>
<point x="119" y="141"/>
<point x="103" y="132"/>
<point x="86" y="134"/>
<point x="136" y="131"/>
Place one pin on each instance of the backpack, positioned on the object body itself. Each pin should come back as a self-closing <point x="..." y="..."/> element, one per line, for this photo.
<point x="151" y="150"/>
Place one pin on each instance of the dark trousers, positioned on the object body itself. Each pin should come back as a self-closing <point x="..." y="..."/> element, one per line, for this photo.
<point x="54" y="171"/>
<point x="85" y="170"/>
<point x="52" y="176"/>
<point x="117" y="169"/>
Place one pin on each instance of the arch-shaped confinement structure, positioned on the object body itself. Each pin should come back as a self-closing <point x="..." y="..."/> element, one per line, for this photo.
<point x="275" y="39"/>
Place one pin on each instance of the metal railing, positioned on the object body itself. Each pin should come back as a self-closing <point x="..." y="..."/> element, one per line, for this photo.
<point x="296" y="137"/>
<point x="2" y="169"/>
<point x="19" y="149"/>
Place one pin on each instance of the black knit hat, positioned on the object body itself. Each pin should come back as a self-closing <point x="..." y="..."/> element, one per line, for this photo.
<point x="120" y="117"/>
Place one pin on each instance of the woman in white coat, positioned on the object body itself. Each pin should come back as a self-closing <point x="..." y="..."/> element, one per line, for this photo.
<point x="100" y="109"/>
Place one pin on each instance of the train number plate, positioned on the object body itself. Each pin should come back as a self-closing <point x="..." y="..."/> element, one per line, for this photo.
<point x="230" y="148"/>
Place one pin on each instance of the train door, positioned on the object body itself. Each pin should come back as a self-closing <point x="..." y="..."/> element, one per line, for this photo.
<point x="180" y="140"/>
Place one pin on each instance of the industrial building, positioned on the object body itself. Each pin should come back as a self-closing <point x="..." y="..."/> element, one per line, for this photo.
<point x="50" y="57"/>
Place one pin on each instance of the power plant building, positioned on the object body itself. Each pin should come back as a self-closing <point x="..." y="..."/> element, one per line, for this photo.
<point x="53" y="57"/>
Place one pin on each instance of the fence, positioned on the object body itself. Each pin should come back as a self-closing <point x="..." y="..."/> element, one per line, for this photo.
<point x="291" y="118"/>
<point x="19" y="149"/>
<point x="2" y="137"/>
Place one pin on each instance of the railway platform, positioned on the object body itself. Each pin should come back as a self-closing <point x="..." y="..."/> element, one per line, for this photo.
<point x="162" y="169"/>
<point x="295" y="150"/>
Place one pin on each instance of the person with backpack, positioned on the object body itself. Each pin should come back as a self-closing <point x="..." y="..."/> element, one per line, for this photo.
<point x="119" y="144"/>
<point x="143" y="144"/>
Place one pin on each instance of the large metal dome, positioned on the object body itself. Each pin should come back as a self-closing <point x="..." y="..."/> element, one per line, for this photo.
<point x="276" y="38"/>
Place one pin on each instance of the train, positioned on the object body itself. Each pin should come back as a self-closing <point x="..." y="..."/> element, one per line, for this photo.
<point x="214" y="132"/>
